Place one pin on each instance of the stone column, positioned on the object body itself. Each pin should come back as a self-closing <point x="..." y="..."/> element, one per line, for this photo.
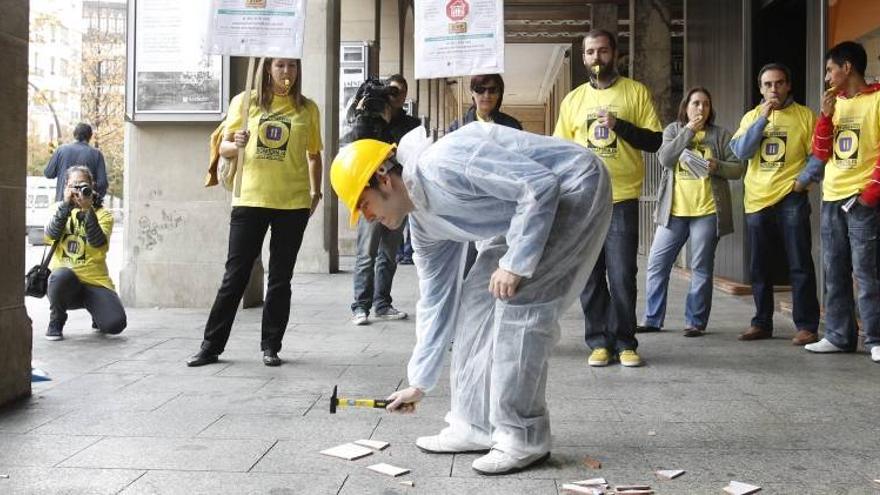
<point x="651" y="50"/>
<point x="15" y="326"/>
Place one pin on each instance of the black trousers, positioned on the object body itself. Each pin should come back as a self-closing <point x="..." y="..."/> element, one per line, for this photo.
<point x="247" y="230"/>
<point x="66" y="292"/>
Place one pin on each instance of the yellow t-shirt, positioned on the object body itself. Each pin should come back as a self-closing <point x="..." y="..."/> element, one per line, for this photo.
<point x="89" y="263"/>
<point x="692" y="195"/>
<point x="625" y="99"/>
<point x="785" y="145"/>
<point x="276" y="170"/>
<point x="856" y="146"/>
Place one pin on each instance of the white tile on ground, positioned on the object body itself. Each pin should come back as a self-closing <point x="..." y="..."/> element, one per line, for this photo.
<point x="740" y="488"/>
<point x="348" y="451"/>
<point x="670" y="474"/>
<point x="373" y="444"/>
<point x="586" y="490"/>
<point x="388" y="469"/>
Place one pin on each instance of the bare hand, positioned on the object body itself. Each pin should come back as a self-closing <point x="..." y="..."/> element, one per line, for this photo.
<point x="404" y="401"/>
<point x="768" y="106"/>
<point x="829" y="99"/>
<point x="696" y="124"/>
<point x="607" y="119"/>
<point x="83" y="202"/>
<point x="503" y="284"/>
<point x="712" y="166"/>
<point x="241" y="138"/>
<point x="798" y="187"/>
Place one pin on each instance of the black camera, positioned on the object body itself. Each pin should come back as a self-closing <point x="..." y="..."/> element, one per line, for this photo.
<point x="366" y="112"/>
<point x="83" y="190"/>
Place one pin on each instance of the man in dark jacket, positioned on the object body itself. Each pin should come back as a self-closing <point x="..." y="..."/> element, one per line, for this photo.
<point x="77" y="153"/>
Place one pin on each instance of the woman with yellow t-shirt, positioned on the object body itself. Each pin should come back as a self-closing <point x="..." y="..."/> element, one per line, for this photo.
<point x="280" y="188"/>
<point x="693" y="202"/>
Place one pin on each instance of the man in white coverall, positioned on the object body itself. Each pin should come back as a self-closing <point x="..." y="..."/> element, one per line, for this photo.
<point x="544" y="205"/>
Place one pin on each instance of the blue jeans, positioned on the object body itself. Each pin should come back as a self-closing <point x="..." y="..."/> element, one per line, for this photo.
<point x="849" y="251"/>
<point x="609" y="298"/>
<point x="789" y="219"/>
<point x="668" y="241"/>
<point x="375" y="265"/>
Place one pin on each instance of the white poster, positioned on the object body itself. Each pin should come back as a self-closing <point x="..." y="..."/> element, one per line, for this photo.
<point x="172" y="73"/>
<point x="257" y="28"/>
<point x="458" y="38"/>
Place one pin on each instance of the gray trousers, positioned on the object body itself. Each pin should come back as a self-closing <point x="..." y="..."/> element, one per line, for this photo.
<point x="66" y="292"/>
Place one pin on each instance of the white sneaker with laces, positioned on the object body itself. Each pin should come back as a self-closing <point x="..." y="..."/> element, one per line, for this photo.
<point x="823" y="346"/>
<point x="875" y="354"/>
<point x="359" y="317"/>
<point x="448" y="444"/>
<point x="500" y="462"/>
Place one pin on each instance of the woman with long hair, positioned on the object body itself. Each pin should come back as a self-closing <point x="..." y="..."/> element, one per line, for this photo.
<point x="280" y="189"/>
<point x="487" y="93"/>
<point x="693" y="202"/>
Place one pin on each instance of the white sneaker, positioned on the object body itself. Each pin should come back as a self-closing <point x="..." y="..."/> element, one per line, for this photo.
<point x="448" y="444"/>
<point x="823" y="346"/>
<point x="500" y="462"/>
<point x="359" y="317"/>
<point x="875" y="354"/>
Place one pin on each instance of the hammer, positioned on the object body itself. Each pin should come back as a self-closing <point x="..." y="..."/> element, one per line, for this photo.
<point x="336" y="401"/>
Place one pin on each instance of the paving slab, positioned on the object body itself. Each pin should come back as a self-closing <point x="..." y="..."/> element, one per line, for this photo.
<point x="184" y="454"/>
<point x="28" y="450"/>
<point x="211" y="483"/>
<point x="69" y="481"/>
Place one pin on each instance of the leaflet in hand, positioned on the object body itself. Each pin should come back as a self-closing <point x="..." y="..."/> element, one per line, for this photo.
<point x="695" y="163"/>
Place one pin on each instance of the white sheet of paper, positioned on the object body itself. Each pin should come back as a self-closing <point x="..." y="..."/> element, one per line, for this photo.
<point x="388" y="469"/>
<point x="670" y="473"/>
<point x="591" y="482"/>
<point x="373" y="444"/>
<point x="348" y="451"/>
<point x="740" y="488"/>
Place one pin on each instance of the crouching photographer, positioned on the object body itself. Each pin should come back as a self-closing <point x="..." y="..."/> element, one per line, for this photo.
<point x="80" y="278"/>
<point x="376" y="112"/>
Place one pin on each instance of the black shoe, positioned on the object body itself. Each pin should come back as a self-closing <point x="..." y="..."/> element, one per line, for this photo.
<point x="54" y="332"/>
<point x="202" y="358"/>
<point x="270" y="358"/>
<point x="646" y="329"/>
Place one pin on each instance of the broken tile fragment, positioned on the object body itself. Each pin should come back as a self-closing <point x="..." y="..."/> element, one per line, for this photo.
<point x="669" y="474"/>
<point x="740" y="488"/>
<point x="591" y="463"/>
<point x="387" y="469"/>
<point x="633" y="490"/>
<point x="348" y="451"/>
<point x="373" y="444"/>
<point x="586" y="490"/>
<point x="407" y="483"/>
<point x="592" y="482"/>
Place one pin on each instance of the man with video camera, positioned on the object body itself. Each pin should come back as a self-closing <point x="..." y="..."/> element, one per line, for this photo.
<point x="376" y="112"/>
<point x="80" y="278"/>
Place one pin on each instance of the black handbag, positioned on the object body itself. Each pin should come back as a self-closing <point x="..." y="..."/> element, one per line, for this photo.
<point x="36" y="282"/>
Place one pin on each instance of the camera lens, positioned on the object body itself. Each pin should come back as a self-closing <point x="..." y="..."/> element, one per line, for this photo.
<point x="84" y="191"/>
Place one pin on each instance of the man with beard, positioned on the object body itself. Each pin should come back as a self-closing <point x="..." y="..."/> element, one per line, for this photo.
<point x="614" y="117"/>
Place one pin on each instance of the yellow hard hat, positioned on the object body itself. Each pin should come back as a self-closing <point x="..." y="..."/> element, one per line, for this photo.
<point x="352" y="168"/>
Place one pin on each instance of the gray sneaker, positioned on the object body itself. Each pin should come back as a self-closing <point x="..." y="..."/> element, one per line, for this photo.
<point x="360" y="317"/>
<point x="390" y="313"/>
<point x="54" y="331"/>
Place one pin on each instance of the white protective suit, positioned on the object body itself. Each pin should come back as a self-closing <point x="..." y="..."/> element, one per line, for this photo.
<point x="544" y="205"/>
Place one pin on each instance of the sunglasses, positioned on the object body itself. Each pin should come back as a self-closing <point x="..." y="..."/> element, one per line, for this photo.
<point x="493" y="90"/>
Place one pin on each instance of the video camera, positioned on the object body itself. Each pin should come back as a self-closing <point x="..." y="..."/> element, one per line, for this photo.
<point x="366" y="112"/>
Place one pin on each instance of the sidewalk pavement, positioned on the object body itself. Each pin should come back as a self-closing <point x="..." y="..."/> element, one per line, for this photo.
<point x="125" y="415"/>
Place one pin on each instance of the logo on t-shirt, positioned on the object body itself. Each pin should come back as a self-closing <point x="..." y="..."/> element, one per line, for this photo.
<point x="773" y="148"/>
<point x="73" y="246"/>
<point x="272" y="138"/>
<point x="600" y="139"/>
<point x="846" y="144"/>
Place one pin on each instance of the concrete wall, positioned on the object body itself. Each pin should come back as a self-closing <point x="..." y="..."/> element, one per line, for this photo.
<point x="15" y="326"/>
<point x="176" y="231"/>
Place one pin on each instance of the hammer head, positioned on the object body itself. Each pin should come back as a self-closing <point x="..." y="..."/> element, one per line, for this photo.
<point x="333" y="401"/>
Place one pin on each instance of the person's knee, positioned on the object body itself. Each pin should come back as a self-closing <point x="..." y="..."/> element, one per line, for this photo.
<point x="114" y="325"/>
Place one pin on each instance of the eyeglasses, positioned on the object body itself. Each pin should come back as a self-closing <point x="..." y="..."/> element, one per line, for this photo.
<point x="493" y="90"/>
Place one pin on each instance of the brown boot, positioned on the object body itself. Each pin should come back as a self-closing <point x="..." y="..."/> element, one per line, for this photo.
<point x="756" y="333"/>
<point x="804" y="337"/>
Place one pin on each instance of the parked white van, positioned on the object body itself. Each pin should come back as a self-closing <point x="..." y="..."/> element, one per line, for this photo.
<point x="40" y="196"/>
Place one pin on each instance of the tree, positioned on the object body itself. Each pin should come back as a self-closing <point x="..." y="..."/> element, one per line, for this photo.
<point x="103" y="98"/>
